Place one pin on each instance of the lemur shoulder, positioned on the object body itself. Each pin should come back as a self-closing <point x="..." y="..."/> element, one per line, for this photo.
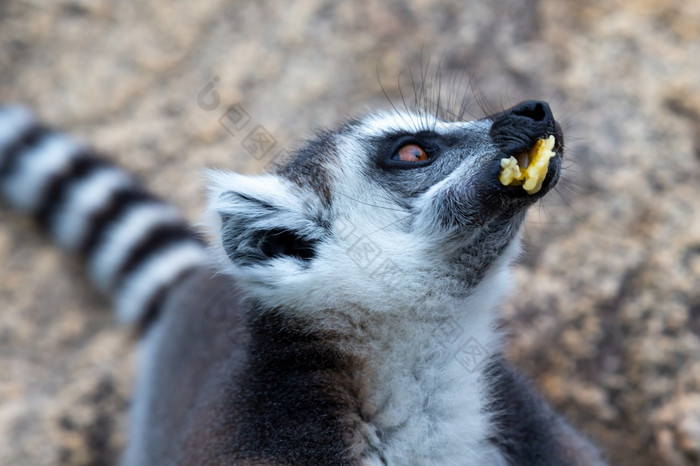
<point x="347" y="281"/>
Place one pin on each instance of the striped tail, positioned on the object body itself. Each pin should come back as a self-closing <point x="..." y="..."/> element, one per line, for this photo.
<point x="136" y="247"/>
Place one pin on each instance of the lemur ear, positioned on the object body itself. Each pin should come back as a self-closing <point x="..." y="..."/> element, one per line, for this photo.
<point x="258" y="218"/>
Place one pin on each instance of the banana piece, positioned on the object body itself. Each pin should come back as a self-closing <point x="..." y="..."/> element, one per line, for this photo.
<point x="533" y="174"/>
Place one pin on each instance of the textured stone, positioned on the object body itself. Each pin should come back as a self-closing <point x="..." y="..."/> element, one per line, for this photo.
<point x="609" y="324"/>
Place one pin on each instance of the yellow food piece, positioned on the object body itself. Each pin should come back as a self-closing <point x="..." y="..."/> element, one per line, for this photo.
<point x="532" y="176"/>
<point x="510" y="173"/>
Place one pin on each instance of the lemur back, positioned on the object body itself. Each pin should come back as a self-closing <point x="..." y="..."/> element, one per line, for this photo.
<point x="346" y="310"/>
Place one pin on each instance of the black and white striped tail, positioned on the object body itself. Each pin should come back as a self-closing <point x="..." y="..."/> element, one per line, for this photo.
<point x="135" y="245"/>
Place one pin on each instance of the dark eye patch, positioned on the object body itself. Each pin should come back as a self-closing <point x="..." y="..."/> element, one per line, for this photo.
<point x="446" y="151"/>
<point x="390" y="145"/>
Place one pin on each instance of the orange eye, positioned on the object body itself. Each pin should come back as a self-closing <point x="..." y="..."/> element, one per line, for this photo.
<point x="412" y="153"/>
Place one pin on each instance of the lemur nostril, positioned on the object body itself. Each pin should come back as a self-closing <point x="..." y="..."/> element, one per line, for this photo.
<point x="520" y="127"/>
<point x="533" y="110"/>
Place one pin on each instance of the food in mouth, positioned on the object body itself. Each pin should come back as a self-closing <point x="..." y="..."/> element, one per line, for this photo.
<point x="528" y="169"/>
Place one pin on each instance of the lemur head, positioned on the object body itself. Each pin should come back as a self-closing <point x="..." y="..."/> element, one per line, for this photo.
<point x="382" y="212"/>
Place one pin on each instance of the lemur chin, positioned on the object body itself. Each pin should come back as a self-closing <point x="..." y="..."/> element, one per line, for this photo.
<point x="356" y="289"/>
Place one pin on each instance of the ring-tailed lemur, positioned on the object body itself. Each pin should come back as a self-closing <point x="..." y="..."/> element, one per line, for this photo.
<point x="355" y="320"/>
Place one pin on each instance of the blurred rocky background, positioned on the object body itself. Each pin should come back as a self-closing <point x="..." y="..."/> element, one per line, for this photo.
<point x="606" y="316"/>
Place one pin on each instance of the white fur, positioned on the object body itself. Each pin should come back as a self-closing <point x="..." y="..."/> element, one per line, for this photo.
<point x="380" y="123"/>
<point x="70" y="223"/>
<point x="121" y="238"/>
<point x="162" y="268"/>
<point x="13" y="121"/>
<point x="437" y="415"/>
<point x="24" y="189"/>
<point x="268" y="188"/>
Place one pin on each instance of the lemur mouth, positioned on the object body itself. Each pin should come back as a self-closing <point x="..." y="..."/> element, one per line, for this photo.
<point x="528" y="169"/>
<point x="531" y="146"/>
<point x="532" y="172"/>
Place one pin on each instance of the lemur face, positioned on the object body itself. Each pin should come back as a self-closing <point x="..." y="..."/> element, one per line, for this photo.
<point x="397" y="204"/>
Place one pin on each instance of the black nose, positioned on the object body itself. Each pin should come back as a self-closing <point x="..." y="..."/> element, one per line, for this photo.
<point x="517" y="129"/>
<point x="535" y="110"/>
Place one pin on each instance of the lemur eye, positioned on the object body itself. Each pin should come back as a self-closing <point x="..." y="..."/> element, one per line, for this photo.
<point x="411" y="153"/>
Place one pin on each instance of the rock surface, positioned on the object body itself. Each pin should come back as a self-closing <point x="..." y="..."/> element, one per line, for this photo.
<point x="608" y="325"/>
